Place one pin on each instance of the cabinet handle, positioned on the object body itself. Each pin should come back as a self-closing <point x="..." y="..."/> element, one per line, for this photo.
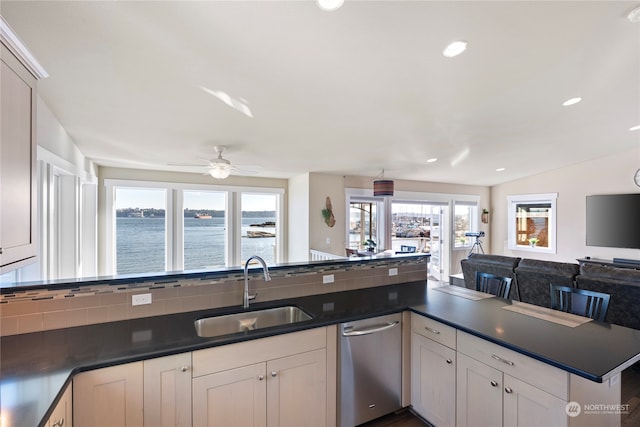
<point x="508" y="390"/>
<point x="433" y="331"/>
<point x="274" y="374"/>
<point x="494" y="383"/>
<point x="500" y="359"/>
<point x="58" y="423"/>
<point x="184" y="368"/>
<point x="449" y="361"/>
<point x="260" y="377"/>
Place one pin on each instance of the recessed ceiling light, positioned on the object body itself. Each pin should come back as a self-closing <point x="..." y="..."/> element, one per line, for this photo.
<point x="500" y="169"/>
<point x="635" y="128"/>
<point x="455" y="48"/>
<point x="329" y="5"/>
<point x="431" y="160"/>
<point x="571" y="101"/>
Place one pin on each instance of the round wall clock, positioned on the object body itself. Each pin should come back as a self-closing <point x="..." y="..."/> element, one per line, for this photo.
<point x="636" y="178"/>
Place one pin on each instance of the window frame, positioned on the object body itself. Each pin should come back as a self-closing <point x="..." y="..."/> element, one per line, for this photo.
<point x="174" y="224"/>
<point x="533" y="199"/>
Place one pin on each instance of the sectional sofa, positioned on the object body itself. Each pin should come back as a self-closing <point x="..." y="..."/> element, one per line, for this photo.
<point x="531" y="279"/>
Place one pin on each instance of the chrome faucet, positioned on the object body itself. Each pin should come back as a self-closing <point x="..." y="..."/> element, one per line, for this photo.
<point x="267" y="277"/>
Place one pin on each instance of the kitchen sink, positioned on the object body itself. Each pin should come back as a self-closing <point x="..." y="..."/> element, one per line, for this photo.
<point x="249" y="321"/>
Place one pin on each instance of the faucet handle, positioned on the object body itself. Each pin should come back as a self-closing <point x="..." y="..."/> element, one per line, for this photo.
<point x="252" y="296"/>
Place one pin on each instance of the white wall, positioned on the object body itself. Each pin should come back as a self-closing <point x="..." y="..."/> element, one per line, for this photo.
<point x="298" y="211"/>
<point x="322" y="237"/>
<point x="613" y="174"/>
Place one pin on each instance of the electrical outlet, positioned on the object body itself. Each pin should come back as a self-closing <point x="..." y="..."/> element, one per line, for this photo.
<point x="393" y="272"/>
<point x="327" y="279"/>
<point x="140" y="299"/>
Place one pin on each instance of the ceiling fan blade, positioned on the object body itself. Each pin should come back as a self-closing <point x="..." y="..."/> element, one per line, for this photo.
<point x="200" y="165"/>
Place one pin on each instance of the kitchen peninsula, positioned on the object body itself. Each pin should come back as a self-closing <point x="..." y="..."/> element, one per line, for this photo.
<point x="36" y="367"/>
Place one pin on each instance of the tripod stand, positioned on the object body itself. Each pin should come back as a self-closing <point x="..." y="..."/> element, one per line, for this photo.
<point x="478" y="245"/>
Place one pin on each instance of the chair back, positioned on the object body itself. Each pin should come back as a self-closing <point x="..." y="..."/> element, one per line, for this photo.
<point x="580" y="301"/>
<point x="492" y="284"/>
<point x="351" y="252"/>
<point x="407" y="249"/>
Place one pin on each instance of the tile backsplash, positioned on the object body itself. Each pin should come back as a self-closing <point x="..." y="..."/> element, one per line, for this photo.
<point x="45" y="309"/>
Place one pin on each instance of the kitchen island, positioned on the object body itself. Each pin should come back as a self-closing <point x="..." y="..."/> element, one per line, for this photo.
<point x="36" y="367"/>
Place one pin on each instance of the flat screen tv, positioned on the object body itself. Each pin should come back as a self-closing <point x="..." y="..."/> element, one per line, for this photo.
<point x="613" y="220"/>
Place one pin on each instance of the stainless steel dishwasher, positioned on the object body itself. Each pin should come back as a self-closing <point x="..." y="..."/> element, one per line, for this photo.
<point x="370" y="369"/>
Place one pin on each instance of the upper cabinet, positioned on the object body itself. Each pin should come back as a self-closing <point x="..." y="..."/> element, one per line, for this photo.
<point x="18" y="201"/>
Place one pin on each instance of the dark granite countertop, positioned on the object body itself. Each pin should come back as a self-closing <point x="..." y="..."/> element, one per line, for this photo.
<point x="34" y="368"/>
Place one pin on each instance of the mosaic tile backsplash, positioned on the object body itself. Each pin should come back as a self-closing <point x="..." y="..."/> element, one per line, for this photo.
<point x="45" y="309"/>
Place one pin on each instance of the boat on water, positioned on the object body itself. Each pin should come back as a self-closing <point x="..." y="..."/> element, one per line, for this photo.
<point x="202" y="216"/>
<point x="254" y="234"/>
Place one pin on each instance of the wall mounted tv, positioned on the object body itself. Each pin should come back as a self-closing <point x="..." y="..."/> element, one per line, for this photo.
<point x="613" y="220"/>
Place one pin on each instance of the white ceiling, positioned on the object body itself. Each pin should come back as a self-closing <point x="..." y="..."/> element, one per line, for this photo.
<point x="346" y="92"/>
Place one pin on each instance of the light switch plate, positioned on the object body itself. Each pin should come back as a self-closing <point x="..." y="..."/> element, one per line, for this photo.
<point x="140" y="299"/>
<point x="327" y="278"/>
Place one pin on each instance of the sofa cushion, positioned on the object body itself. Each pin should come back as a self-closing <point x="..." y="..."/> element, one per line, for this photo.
<point x="622" y="284"/>
<point x="534" y="276"/>
<point x="495" y="264"/>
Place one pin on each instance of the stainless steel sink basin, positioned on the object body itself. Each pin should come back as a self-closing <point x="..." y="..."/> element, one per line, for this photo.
<point x="249" y="321"/>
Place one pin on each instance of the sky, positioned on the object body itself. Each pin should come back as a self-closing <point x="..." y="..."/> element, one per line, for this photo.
<point x="155" y="198"/>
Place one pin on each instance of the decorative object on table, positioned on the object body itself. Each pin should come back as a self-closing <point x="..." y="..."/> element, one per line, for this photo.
<point x="382" y="187"/>
<point x="370" y="245"/>
<point x="533" y="242"/>
<point x="327" y="213"/>
<point x="485" y="216"/>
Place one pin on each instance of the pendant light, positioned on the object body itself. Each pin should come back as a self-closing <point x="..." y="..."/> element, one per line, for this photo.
<point x="382" y="187"/>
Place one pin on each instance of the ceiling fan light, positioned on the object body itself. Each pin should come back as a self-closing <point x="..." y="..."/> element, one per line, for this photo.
<point x="220" y="171"/>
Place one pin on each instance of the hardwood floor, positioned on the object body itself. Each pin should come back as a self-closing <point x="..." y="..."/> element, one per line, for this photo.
<point x="403" y="418"/>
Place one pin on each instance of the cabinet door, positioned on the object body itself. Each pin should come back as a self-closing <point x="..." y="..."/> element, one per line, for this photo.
<point x="297" y="390"/>
<point x="231" y="398"/>
<point x="109" y="397"/>
<point x="167" y="391"/>
<point x="17" y="162"/>
<point x="62" y="415"/>
<point x="528" y="406"/>
<point x="479" y="394"/>
<point x="433" y="385"/>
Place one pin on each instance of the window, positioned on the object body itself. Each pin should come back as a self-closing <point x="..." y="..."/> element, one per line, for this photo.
<point x="140" y="230"/>
<point x="532" y="222"/>
<point x="465" y="221"/>
<point x="414" y="226"/>
<point x="259" y="221"/>
<point x="363" y="222"/>
<point x="159" y="226"/>
<point x="204" y="225"/>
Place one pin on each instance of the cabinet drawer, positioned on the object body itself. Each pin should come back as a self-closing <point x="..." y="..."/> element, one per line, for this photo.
<point x="245" y="353"/>
<point x="536" y="373"/>
<point x="434" y="330"/>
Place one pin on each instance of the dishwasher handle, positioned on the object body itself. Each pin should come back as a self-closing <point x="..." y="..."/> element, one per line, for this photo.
<point x="348" y="331"/>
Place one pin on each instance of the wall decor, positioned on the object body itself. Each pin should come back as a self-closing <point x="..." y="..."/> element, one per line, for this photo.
<point x="327" y="213"/>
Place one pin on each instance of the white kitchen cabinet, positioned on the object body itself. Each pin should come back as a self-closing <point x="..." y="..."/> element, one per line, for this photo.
<point x="167" y="391"/>
<point x="275" y="381"/>
<point x="433" y="368"/>
<point x="479" y="394"/>
<point x="110" y="396"/>
<point x="62" y="415"/>
<point x="497" y="386"/>
<point x="18" y="207"/>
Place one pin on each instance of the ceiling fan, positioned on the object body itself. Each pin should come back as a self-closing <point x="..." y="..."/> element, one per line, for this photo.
<point x="218" y="168"/>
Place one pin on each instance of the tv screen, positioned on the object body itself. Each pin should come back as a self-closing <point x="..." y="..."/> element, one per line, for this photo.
<point x="613" y="220"/>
